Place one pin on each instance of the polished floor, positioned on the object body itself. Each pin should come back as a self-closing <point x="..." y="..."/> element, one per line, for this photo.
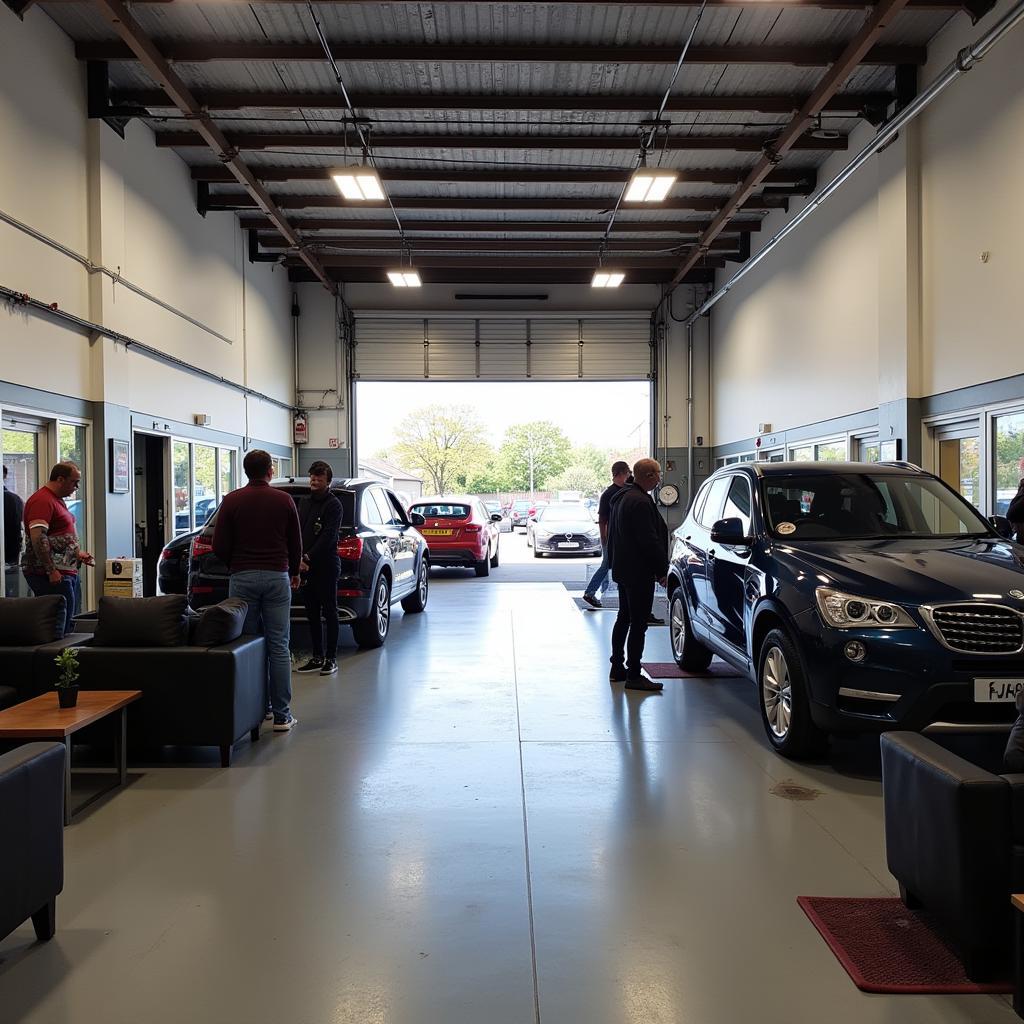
<point x="471" y="826"/>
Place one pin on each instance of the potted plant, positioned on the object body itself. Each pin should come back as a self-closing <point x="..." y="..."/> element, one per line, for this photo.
<point x="67" y="681"/>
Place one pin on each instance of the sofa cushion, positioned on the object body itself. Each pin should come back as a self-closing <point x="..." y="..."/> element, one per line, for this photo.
<point x="141" y="621"/>
<point x="28" y="621"/>
<point x="219" y="623"/>
<point x="8" y="697"/>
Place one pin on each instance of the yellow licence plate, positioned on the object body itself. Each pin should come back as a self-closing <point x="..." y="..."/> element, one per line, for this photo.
<point x="436" y="533"/>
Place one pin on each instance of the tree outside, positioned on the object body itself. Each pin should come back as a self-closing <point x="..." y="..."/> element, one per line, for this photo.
<point x="445" y="443"/>
<point x="532" y="455"/>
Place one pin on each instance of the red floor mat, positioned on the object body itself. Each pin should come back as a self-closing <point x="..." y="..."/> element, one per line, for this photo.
<point x="887" y="948"/>
<point x="670" y="670"/>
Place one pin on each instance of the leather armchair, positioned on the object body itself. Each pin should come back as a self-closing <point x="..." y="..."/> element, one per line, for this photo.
<point x="954" y="840"/>
<point x="192" y="696"/>
<point x="32" y="824"/>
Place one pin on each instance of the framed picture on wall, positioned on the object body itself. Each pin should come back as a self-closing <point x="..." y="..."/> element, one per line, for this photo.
<point x="120" y="466"/>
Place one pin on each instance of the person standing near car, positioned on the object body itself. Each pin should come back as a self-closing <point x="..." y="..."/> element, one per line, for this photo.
<point x="320" y="520"/>
<point x="52" y="556"/>
<point x="620" y="473"/>
<point x="638" y="542"/>
<point x="1015" y="513"/>
<point x="257" y="537"/>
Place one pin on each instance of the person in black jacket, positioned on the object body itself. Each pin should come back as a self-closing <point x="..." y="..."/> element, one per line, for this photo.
<point x="320" y="519"/>
<point x="1015" y="513"/>
<point x="638" y="547"/>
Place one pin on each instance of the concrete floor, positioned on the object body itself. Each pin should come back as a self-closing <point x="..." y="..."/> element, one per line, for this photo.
<point x="471" y="826"/>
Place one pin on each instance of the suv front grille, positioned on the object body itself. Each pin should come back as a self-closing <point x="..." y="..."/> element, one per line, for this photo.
<point x="979" y="628"/>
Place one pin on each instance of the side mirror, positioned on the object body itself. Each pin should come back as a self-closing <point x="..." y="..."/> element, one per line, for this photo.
<point x="1002" y="526"/>
<point x="730" y="533"/>
<point x="416" y="519"/>
<point x="496" y="517"/>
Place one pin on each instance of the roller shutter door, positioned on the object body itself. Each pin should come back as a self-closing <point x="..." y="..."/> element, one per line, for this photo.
<point x="501" y="348"/>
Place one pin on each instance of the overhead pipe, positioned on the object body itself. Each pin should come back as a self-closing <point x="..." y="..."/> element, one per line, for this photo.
<point x="961" y="64"/>
<point x="18" y="299"/>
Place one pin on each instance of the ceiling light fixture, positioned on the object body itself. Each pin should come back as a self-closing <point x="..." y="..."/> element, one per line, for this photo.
<point x="649" y="185"/>
<point x="405" y="278"/>
<point x="358" y="184"/>
<point x="607" y="278"/>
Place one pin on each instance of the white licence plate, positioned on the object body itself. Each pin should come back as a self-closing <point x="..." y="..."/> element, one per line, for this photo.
<point x="565" y="544"/>
<point x="997" y="690"/>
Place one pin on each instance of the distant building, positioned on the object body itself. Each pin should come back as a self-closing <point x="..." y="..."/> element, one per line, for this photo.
<point x="403" y="482"/>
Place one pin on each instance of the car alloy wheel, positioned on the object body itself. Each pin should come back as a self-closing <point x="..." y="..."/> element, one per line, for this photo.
<point x="689" y="653"/>
<point x="423" y="584"/>
<point x="383" y="609"/>
<point x="677" y="629"/>
<point x="777" y="693"/>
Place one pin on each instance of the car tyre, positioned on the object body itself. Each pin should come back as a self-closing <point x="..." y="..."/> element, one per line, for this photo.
<point x="537" y="554"/>
<point x="372" y="631"/>
<point x="494" y="557"/>
<point x="689" y="653"/>
<point x="417" y="600"/>
<point x="529" y="539"/>
<point x="483" y="568"/>
<point x="783" y="699"/>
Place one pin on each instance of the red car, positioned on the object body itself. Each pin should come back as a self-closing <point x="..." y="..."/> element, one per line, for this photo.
<point x="459" y="531"/>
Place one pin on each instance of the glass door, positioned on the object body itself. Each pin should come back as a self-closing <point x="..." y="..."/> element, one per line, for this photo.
<point x="1007" y="460"/>
<point x="957" y="458"/>
<point x="24" y="452"/>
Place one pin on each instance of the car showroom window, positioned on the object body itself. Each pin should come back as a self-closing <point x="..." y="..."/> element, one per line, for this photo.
<point x="737" y="503"/>
<point x="371" y="511"/>
<point x="712" y="510"/>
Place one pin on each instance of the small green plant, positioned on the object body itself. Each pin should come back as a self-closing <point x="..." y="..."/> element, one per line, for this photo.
<point x="67" y="663"/>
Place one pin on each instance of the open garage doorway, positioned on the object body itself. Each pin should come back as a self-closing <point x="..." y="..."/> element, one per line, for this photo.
<point x="517" y="447"/>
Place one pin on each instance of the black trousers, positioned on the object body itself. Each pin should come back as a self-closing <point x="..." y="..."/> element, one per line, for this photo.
<point x="320" y="596"/>
<point x="636" y="600"/>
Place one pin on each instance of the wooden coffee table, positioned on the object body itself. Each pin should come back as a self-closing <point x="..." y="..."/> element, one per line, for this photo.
<point x="42" y="718"/>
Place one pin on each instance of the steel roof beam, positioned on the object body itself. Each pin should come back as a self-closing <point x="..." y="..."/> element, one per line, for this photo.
<point x="825" y="5"/>
<point x="534" y="245"/>
<point x="830" y="83"/>
<point x="706" y="203"/>
<point x="145" y="51"/>
<point x="525" y="53"/>
<point x="224" y="100"/>
<point x="503" y="227"/>
<point x="337" y="140"/>
<point x="505" y="276"/>
<point x="499" y="261"/>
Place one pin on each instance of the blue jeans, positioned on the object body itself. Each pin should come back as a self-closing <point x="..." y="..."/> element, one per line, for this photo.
<point x="69" y="588"/>
<point x="269" y="596"/>
<point x="597" y="581"/>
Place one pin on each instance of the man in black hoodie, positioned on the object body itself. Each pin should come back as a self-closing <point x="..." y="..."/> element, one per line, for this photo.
<point x="320" y="519"/>
<point x="638" y="547"/>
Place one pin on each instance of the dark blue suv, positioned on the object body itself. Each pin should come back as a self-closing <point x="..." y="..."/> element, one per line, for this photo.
<point x="858" y="597"/>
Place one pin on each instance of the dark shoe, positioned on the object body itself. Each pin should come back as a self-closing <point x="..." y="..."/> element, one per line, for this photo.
<point x="643" y="683"/>
<point x="653" y="620"/>
<point x="330" y="668"/>
<point x="617" y="674"/>
<point x="594" y="602"/>
<point x="313" y="665"/>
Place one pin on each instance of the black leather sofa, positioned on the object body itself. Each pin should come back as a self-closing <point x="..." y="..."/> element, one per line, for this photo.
<point x="954" y="840"/>
<point x="191" y="696"/>
<point x="32" y="826"/>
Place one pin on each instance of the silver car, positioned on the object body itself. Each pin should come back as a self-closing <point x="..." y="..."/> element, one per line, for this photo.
<point x="563" y="530"/>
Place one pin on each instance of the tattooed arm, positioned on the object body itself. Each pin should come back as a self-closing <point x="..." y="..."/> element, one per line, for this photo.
<point x="39" y="538"/>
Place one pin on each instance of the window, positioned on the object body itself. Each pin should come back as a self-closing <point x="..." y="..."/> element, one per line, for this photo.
<point x="805" y="453"/>
<point x="442" y="511"/>
<point x="281" y="465"/>
<point x="204" y="482"/>
<point x="737" y="503"/>
<point x="386" y="515"/>
<point x="181" y="462"/>
<point x="712" y="510"/>
<point x="371" y="511"/>
<point x="830" y="451"/>
<point x="225" y="472"/>
<point x="1007" y="461"/>
<point x="71" y="447"/>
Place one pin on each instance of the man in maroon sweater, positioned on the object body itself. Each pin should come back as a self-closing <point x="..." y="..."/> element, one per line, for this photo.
<point x="257" y="536"/>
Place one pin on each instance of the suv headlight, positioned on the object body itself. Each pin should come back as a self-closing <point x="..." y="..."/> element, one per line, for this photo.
<point x="850" y="611"/>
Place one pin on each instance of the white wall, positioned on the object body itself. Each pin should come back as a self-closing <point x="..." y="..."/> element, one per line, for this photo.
<point x="131" y="207"/>
<point x="881" y="295"/>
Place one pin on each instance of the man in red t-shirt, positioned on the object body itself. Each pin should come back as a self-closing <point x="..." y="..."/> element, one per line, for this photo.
<point x="52" y="555"/>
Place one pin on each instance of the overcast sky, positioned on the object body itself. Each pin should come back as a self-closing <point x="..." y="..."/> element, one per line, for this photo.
<point x="610" y="415"/>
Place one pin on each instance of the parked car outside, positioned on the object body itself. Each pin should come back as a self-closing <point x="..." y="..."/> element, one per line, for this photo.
<point x="203" y="510"/>
<point x="563" y="530"/>
<point x="459" y="531"/>
<point x="519" y="512"/>
<point x="172" y="569"/>
<point x="859" y="597"/>
<point x="384" y="559"/>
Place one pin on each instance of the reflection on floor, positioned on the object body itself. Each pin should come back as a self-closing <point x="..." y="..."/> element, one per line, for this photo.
<point x="471" y="825"/>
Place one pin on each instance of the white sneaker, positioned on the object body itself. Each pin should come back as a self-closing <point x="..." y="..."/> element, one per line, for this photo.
<point x="269" y="716"/>
<point x="286" y="725"/>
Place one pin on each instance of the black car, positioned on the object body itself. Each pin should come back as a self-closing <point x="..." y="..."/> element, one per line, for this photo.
<point x="384" y="559"/>
<point x="859" y="597"/>
<point x="172" y="569"/>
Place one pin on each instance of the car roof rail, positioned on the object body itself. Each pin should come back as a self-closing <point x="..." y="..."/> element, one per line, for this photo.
<point x="902" y="464"/>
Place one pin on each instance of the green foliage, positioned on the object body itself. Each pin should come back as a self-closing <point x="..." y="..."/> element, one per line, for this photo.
<point x="541" y="443"/>
<point x="67" y="664"/>
<point x="444" y="442"/>
<point x="580" y="477"/>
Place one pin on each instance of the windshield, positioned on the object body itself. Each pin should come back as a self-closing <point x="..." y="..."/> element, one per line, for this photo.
<point x="442" y="511"/>
<point x="866" y="506"/>
<point x="562" y="514"/>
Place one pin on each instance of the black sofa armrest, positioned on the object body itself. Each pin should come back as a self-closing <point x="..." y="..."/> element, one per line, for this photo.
<point x="32" y="824"/>
<point x="948" y="839"/>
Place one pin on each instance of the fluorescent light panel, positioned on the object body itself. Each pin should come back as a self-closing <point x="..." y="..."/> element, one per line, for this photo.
<point x="358" y="184"/>
<point x="607" y="279"/>
<point x="404" y="278"/>
<point x="649" y="186"/>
